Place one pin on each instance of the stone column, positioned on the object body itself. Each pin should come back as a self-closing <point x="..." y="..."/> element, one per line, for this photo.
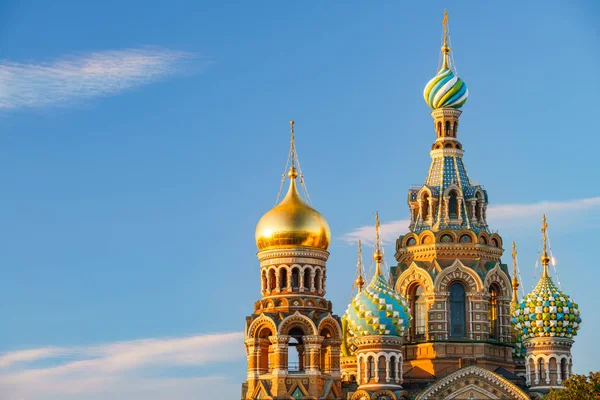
<point x="301" y="281"/>
<point x="430" y="215"/>
<point x="334" y="360"/>
<point x="312" y="280"/>
<point x="279" y="346"/>
<point x="359" y="370"/>
<point x="446" y="211"/>
<point x="473" y="213"/>
<point x="387" y="369"/>
<point x="289" y="281"/>
<point x="537" y="372"/>
<point x="253" y="356"/>
<point x="547" y="367"/>
<point x="484" y="214"/>
<point x="398" y="370"/>
<point x="312" y="345"/>
<point x="268" y="282"/>
<point x="459" y="213"/>
<point x="277" y="281"/>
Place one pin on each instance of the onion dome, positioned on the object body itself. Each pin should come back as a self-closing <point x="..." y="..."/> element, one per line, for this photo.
<point x="547" y="311"/>
<point x="378" y="309"/>
<point x="292" y="223"/>
<point x="446" y="89"/>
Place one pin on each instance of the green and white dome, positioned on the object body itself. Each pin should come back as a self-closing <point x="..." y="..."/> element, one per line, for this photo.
<point x="547" y="311"/>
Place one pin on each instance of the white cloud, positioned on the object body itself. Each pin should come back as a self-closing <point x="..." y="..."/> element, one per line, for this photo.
<point x="503" y="216"/>
<point x="116" y="370"/>
<point x="75" y="78"/>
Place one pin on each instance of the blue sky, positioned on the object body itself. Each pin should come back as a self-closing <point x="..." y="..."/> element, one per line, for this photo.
<point x="140" y="143"/>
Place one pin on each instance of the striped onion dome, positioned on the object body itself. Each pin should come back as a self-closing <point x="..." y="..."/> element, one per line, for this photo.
<point x="446" y="90"/>
<point x="547" y="311"/>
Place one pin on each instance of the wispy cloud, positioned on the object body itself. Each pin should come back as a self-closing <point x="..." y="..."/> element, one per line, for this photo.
<point x="68" y="80"/>
<point x="499" y="217"/>
<point x="115" y="368"/>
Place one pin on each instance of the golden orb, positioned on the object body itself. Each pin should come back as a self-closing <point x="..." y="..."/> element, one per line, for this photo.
<point x="292" y="223"/>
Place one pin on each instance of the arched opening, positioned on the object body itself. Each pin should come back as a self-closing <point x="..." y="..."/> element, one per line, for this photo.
<point x="326" y="350"/>
<point x="296" y="350"/>
<point x="439" y="129"/>
<point x="458" y="320"/>
<point x="272" y="280"/>
<point x="448" y="145"/>
<point x="447" y="129"/>
<point x="493" y="313"/>
<point x="264" y="353"/>
<point x="425" y="206"/>
<point x="418" y="310"/>
<point x="453" y="205"/>
<point x="542" y="369"/>
<point x="283" y="278"/>
<point x="455" y="129"/>
<point x="531" y="370"/>
<point x="478" y="206"/>
<point x="371" y="368"/>
<point x="295" y="278"/>
<point x="553" y="364"/>
<point x="564" y="369"/>
<point x="306" y="280"/>
<point x="393" y="368"/>
<point x="494" y="242"/>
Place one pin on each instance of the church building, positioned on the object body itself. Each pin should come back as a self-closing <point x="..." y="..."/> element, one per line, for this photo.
<point x="445" y="323"/>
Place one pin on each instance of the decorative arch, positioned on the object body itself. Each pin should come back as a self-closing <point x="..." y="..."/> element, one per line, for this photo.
<point x="459" y="385"/>
<point x="497" y="238"/>
<point x="332" y="324"/>
<point x="406" y="240"/>
<point x="484" y="238"/>
<point x="453" y="187"/>
<point x="361" y="395"/>
<point x="458" y="272"/>
<point x="426" y="237"/>
<point x="384" y="394"/>
<point x="258" y="324"/>
<point x="452" y="234"/>
<point x="414" y="274"/>
<point x="297" y="320"/>
<point x="497" y="276"/>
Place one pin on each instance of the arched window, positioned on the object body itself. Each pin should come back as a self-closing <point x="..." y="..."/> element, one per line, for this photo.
<point x="371" y="368"/>
<point x="447" y="130"/>
<point x="306" y="279"/>
<point x="264" y="280"/>
<point x="455" y="129"/>
<point x="295" y="278"/>
<point x="453" y="205"/>
<point x="283" y="278"/>
<point x="295" y="350"/>
<point x="272" y="280"/>
<point x="264" y="361"/>
<point x="493" y="312"/>
<point x="393" y="367"/>
<point x="458" y="321"/>
<point x="439" y="129"/>
<point x="425" y="210"/>
<point x="564" y="371"/>
<point x="418" y="313"/>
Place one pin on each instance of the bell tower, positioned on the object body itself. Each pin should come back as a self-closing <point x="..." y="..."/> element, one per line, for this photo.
<point x="292" y="339"/>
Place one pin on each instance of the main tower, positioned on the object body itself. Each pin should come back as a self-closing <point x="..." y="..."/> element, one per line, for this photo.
<point x="449" y="267"/>
<point x="292" y="339"/>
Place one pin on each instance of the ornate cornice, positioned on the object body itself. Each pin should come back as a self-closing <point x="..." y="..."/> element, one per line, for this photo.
<point x="293" y="254"/>
<point x="449" y="250"/>
<point x="446" y="152"/>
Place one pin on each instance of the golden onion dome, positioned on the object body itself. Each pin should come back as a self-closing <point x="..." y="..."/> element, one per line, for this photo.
<point x="292" y="223"/>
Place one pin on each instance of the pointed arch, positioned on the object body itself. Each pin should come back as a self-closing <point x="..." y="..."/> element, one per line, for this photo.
<point x="413" y="274"/>
<point x="263" y="321"/>
<point x="498" y="277"/>
<point x="297" y="320"/>
<point x="332" y="324"/>
<point x="457" y="271"/>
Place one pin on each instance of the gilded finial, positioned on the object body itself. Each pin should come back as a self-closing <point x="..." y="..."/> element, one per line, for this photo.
<point x="378" y="255"/>
<point x="445" y="46"/>
<point x="545" y="258"/>
<point x="359" y="282"/>
<point x="292" y="172"/>
<point x="515" y="280"/>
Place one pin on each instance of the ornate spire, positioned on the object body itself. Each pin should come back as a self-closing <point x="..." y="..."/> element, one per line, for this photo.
<point x="378" y="254"/>
<point x="515" y="281"/>
<point x="445" y="46"/>
<point x="359" y="282"/>
<point x="545" y="258"/>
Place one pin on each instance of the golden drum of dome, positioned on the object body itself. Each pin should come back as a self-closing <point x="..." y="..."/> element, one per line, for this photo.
<point x="292" y="223"/>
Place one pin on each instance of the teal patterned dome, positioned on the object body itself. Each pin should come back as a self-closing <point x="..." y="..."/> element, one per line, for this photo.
<point x="446" y="90"/>
<point x="547" y="311"/>
<point x="377" y="310"/>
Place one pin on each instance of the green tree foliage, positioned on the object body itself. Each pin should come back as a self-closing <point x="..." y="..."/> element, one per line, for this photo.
<point x="578" y="387"/>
